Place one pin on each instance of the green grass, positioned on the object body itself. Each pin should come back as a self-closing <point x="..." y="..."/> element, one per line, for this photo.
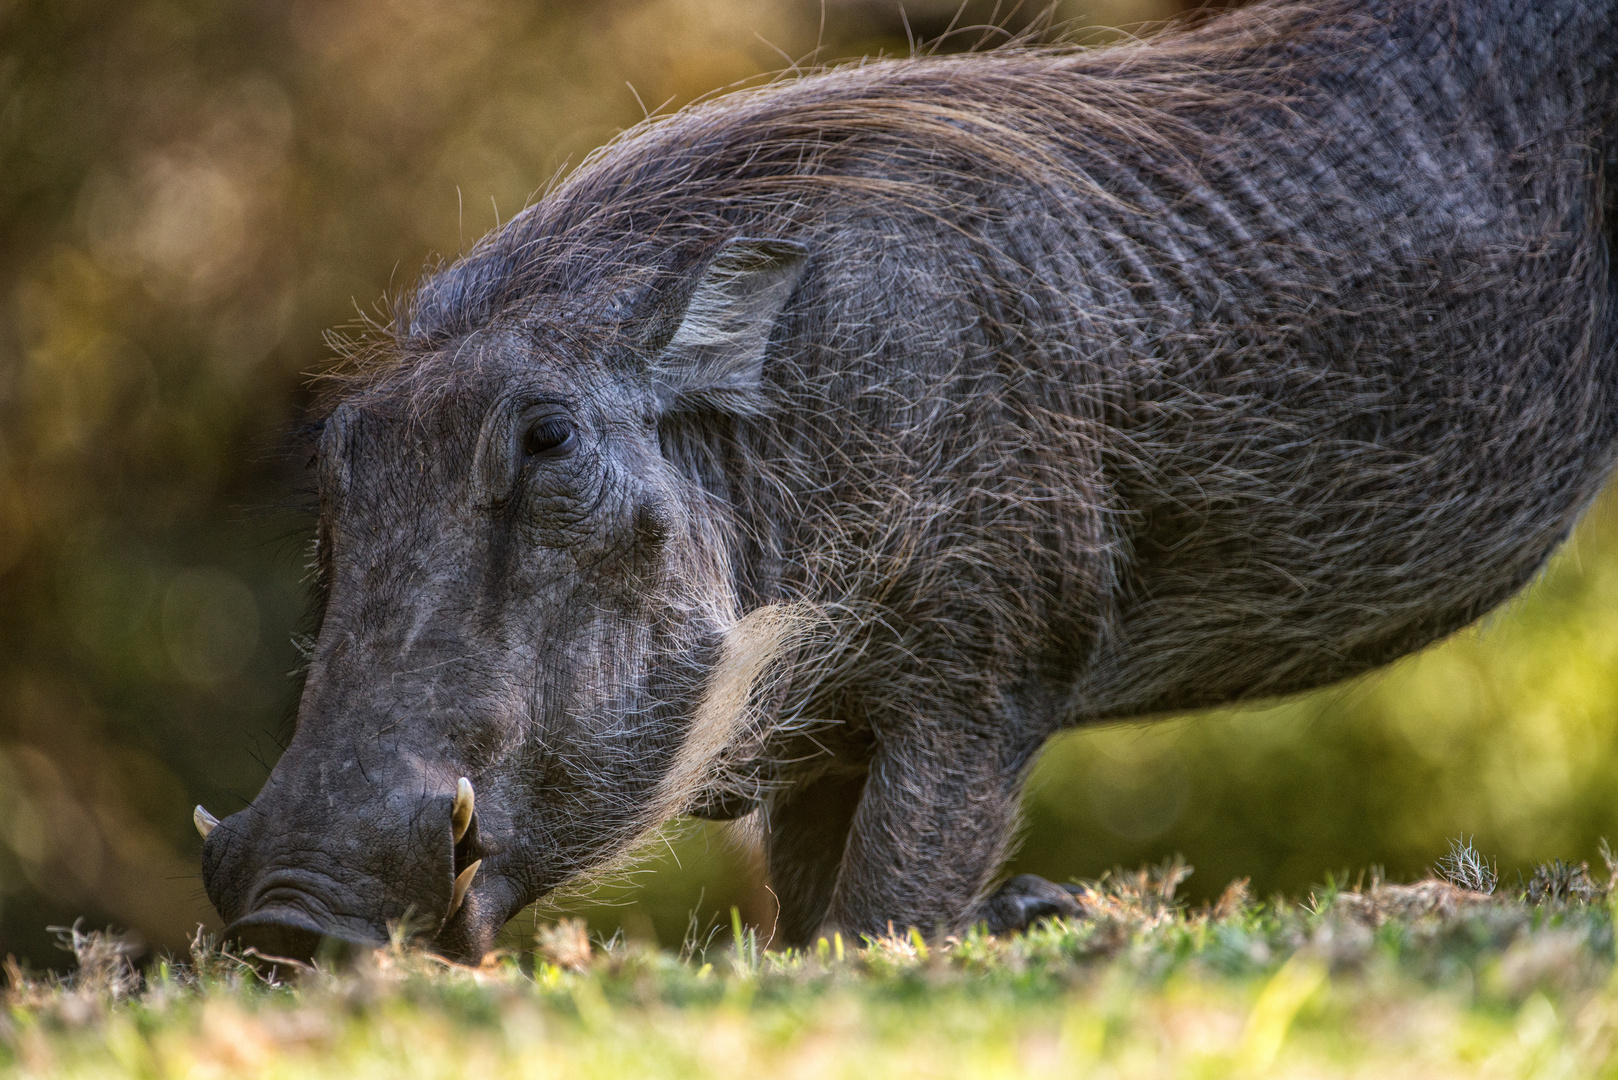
<point x="1421" y="980"/>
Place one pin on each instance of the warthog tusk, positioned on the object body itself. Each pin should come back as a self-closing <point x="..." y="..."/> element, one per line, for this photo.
<point x="463" y="882"/>
<point x="461" y="816"/>
<point x="204" y="821"/>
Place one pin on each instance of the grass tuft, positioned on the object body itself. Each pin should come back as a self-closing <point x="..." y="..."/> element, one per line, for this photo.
<point x="1464" y="868"/>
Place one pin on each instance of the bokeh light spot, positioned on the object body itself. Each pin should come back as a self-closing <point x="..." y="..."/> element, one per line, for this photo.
<point x="210" y="625"/>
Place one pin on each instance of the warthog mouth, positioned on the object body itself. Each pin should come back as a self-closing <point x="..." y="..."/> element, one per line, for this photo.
<point x="280" y="932"/>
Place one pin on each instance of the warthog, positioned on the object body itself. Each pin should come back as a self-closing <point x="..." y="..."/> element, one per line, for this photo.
<point x="817" y="452"/>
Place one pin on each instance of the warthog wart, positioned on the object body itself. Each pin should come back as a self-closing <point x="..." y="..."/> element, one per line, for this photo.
<point x="817" y="452"/>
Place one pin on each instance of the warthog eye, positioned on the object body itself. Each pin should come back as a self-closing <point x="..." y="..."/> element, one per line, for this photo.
<point x="549" y="436"/>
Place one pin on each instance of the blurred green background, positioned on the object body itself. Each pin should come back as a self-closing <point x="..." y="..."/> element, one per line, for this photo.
<point x="192" y="191"/>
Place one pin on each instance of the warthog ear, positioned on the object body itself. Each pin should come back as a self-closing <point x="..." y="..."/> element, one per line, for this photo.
<point x="715" y="357"/>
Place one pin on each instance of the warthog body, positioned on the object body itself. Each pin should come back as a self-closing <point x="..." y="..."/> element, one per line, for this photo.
<point x="820" y="451"/>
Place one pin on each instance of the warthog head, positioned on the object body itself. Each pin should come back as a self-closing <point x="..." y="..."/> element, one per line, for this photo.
<point x="525" y="611"/>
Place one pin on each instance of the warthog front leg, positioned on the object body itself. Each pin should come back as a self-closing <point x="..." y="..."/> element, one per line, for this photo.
<point x="806" y="834"/>
<point x="927" y="839"/>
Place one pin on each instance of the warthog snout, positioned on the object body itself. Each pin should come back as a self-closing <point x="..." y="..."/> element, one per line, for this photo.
<point x="300" y="876"/>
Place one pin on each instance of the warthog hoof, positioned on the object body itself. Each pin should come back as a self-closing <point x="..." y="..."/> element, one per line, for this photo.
<point x="1026" y="899"/>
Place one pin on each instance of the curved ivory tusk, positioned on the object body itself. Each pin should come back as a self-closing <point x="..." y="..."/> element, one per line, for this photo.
<point x="204" y="821"/>
<point x="461" y="816"/>
<point x="463" y="882"/>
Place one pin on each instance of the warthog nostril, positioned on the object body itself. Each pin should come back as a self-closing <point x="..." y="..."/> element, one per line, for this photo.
<point x="204" y="821"/>
<point x="463" y="882"/>
<point x="461" y="816"/>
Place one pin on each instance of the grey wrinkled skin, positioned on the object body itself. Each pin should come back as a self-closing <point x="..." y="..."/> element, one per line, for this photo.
<point x="817" y="452"/>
